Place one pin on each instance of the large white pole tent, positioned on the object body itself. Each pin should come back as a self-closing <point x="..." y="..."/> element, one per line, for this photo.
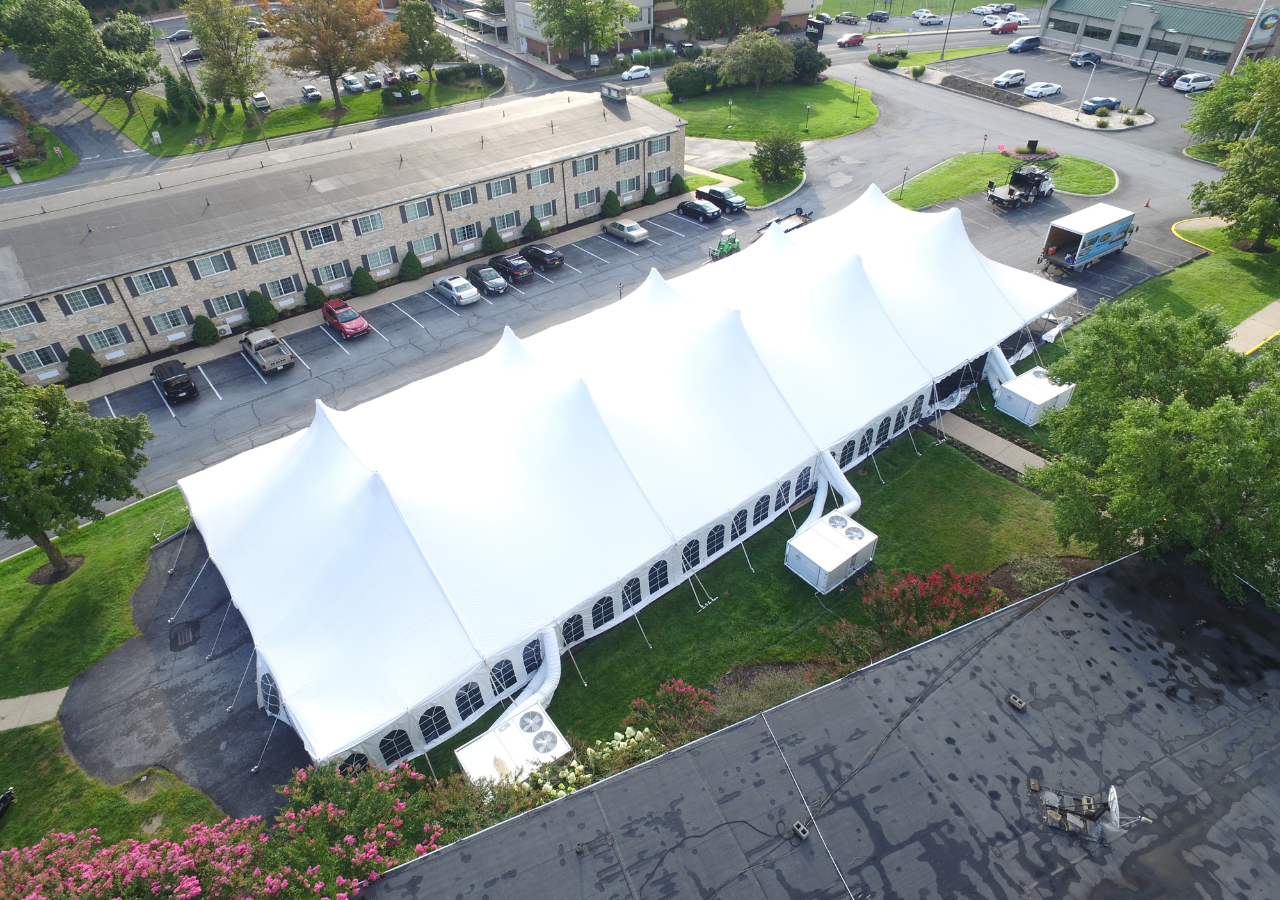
<point x="567" y="480"/>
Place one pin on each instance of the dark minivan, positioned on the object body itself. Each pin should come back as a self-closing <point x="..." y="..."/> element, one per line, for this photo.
<point x="1025" y="43"/>
<point x="1169" y="76"/>
<point x="171" y="375"/>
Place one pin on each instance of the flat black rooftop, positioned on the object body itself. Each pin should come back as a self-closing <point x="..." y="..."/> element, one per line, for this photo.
<point x="1139" y="674"/>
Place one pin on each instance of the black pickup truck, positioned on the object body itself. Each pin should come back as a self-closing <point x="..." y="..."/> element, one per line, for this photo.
<point x="724" y="197"/>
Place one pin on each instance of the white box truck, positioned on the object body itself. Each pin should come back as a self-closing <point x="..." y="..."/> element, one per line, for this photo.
<point x="1077" y="241"/>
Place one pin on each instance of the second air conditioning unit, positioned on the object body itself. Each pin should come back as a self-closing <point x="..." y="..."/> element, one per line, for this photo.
<point x="514" y="747"/>
<point x="224" y="331"/>
<point x="829" y="551"/>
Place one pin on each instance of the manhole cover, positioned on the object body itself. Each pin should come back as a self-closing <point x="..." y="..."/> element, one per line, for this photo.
<point x="184" y="635"/>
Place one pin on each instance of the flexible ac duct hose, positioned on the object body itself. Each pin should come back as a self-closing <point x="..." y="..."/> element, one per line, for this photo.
<point x="998" y="369"/>
<point x="852" y="501"/>
<point x="819" y="501"/>
<point x="542" y="687"/>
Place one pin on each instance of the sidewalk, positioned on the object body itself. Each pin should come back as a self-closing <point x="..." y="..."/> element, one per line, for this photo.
<point x="31" y="709"/>
<point x="988" y="444"/>
<point x="1253" y="332"/>
<point x="470" y="36"/>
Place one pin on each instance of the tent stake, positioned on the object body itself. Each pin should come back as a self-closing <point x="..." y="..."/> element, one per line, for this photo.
<point x="575" y="665"/>
<point x="189" y="590"/>
<point x="744" y="553"/>
<point x="913" y="442"/>
<point x="219" y="634"/>
<point x="937" y="420"/>
<point x="241" y="684"/>
<point x="642" y="634"/>
<point x="178" y="556"/>
<point x="710" y="599"/>
<point x="274" y="722"/>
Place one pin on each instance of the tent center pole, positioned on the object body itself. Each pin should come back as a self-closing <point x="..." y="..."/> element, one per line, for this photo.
<point x="744" y="553"/>
<point x="242" y="677"/>
<point x="219" y="634"/>
<point x="575" y="665"/>
<point x="189" y="590"/>
<point x="642" y="634"/>
<point x="274" y="722"/>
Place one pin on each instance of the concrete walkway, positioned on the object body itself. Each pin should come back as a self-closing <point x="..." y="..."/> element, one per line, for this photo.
<point x="988" y="444"/>
<point x="31" y="709"/>
<point x="1256" y="330"/>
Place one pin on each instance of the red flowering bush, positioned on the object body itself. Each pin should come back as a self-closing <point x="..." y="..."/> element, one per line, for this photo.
<point x="909" y="609"/>
<point x="676" y="715"/>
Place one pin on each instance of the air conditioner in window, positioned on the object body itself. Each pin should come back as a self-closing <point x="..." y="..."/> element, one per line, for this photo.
<point x="224" y="331"/>
<point x="828" y="552"/>
<point x="513" y="748"/>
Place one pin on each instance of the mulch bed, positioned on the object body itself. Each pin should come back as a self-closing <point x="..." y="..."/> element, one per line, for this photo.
<point x="1073" y="566"/>
<point x="1252" y="246"/>
<point x="47" y="574"/>
<point x="985" y="91"/>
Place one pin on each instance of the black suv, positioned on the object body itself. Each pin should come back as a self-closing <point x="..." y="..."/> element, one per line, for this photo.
<point x="486" y="279"/>
<point x="512" y="266"/>
<point x="1169" y="76"/>
<point x="174" y="381"/>
<point x="543" y="255"/>
<point x="878" y="15"/>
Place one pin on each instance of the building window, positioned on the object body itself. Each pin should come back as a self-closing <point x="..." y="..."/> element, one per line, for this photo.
<point x="78" y="301"/>
<point x="395" y="746"/>
<point x="325" y="234"/>
<point x="333" y="272"/>
<point x="434" y="723"/>
<point x="1208" y="55"/>
<point x="468" y="699"/>
<point x="105" y="339"/>
<point x="419" y="210"/>
<point x="371" y="222"/>
<point x="660" y="145"/>
<point x="212" y="265"/>
<point x="601" y="612"/>
<point x="882" y="434"/>
<point x="631" y="594"/>
<point x="1126" y="38"/>
<point x="151" y="281"/>
<point x="38" y="358"/>
<point x="504" y="221"/>
<point x="503" y="676"/>
<point x="583" y="166"/>
<point x="690" y="556"/>
<point x="864" y="445"/>
<point x="586" y="198"/>
<point x="460" y="198"/>
<point x="715" y="541"/>
<point x="783" y="497"/>
<point x="464" y="233"/>
<point x="428" y="244"/>
<point x="739" y="526"/>
<point x="1163" y="46"/>
<point x="572" y="629"/>
<point x="761" y="511"/>
<point x="502" y="188"/>
<point x="802" y="482"/>
<point x="1064" y="26"/>
<point x="847" y="452"/>
<point x="268" y="249"/>
<point x="627" y="154"/>
<point x="171" y="319"/>
<point x="917" y="407"/>
<point x="657" y="576"/>
<point x="532" y="656"/>
<point x="275" y="289"/>
<point x="629" y="185"/>
<point x="543" y="210"/>
<point x="661" y="176"/>
<point x="541" y="177"/>
<point x="270" y="695"/>
<point x="380" y="258"/>
<point x="15" y="317"/>
<point x="899" y="420"/>
<point x="1097" y="33"/>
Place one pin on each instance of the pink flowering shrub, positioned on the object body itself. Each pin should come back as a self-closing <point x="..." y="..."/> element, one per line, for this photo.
<point x="909" y="609"/>
<point x="677" y="714"/>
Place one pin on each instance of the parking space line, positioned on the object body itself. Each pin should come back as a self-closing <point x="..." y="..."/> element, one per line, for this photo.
<point x="514" y="288"/>
<point x="206" y="378"/>
<point x="544" y="278"/>
<point x="163" y="400"/>
<point x="575" y="268"/>
<point x="256" y="371"/>
<point x="334" y="339"/>
<point x="589" y="253"/>
<point x="445" y="305"/>
<point x="411" y="318"/>
<point x="652" y="241"/>
<point x="691" y="222"/>
<point x="296" y="355"/>
<point x="612" y="244"/>
<point x="379" y="333"/>
<point x="665" y="228"/>
<point x="109" y="409"/>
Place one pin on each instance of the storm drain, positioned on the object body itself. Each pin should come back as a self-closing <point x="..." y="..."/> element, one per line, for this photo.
<point x="184" y="635"/>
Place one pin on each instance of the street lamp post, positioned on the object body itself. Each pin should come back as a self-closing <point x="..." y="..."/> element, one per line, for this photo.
<point x="903" y="189"/>
<point x="950" y="16"/>
<point x="807" y="107"/>
<point x="984" y="143"/>
<point x="730" y="112"/>
<point x="1152" y="68"/>
<point x="1086" y="88"/>
<point x="857" y="98"/>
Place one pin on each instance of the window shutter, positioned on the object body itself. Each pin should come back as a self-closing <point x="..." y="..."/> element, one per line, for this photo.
<point x="595" y="162"/>
<point x="168" y="271"/>
<point x="512" y="181"/>
<point x="355" y="223"/>
<point x="576" y="204"/>
<point x="284" y="242"/>
<point x="306" y="240"/>
<point x="346" y="265"/>
<point x="253" y="257"/>
<point x="208" y="308"/>
<point x="186" y="311"/>
<point x="315" y="274"/>
<point x="617" y="156"/>
<point x="128" y="282"/>
<point x="553" y="206"/>
<point x="59" y="352"/>
<point x="195" y="273"/>
<point x="106" y="294"/>
<point x="404" y="216"/>
<point x="517" y="217"/>
<point x="394" y="256"/>
<point x="231" y="260"/>
<point x="337" y="230"/>
<point x="244" y="295"/>
<point x="61" y="300"/>
<point x="474" y="198"/>
<point x="553" y="176"/>
<point x="364" y="261"/>
<point x="488" y="191"/>
<point x="479" y="232"/>
<point x="17" y="366"/>
<point x="85" y="345"/>
<point x="528" y="180"/>
<point x="448" y="202"/>
<point x="262" y="289"/>
<point x="124" y="329"/>
<point x="151" y="328"/>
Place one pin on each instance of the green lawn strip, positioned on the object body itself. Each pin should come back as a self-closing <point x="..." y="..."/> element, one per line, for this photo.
<point x="55" y="632"/>
<point x="54" y="794"/>
<point x="5" y="180"/>
<point x="229" y="130"/>
<point x="780" y="108"/>
<point x="925" y="57"/>
<point x="693" y="182"/>
<point x="53" y="164"/>
<point x="969" y="173"/>
<point x="1213" y="152"/>
<point x="756" y="192"/>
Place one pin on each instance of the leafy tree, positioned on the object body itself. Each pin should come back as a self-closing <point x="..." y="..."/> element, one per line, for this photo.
<point x="128" y="34"/>
<point x="492" y="242"/>
<point x="438" y="49"/>
<point x="315" y="295"/>
<point x="756" y="58"/>
<point x="778" y="157"/>
<point x="261" y="310"/>
<point x="232" y="66"/>
<point x="82" y="367"/>
<point x="611" y="206"/>
<point x="55" y="39"/>
<point x="125" y="61"/>
<point x="410" y="268"/>
<point x="709" y="65"/>
<point x="332" y="38"/>
<point x="1239" y="102"/>
<point x="677" y="186"/>
<point x="582" y="23"/>
<point x="204" y="332"/>
<point x="532" y="228"/>
<point x="710" y="17"/>
<point x="417" y="20"/>
<point x="650" y="195"/>
<point x="685" y="80"/>
<point x="1247" y="194"/>
<point x="809" y="62"/>
<point x="57" y="461"/>
<point x="494" y="7"/>
<point x="362" y="282"/>
<point x="1172" y="441"/>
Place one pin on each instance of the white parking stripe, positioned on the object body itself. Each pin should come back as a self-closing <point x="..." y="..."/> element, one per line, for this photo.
<point x="256" y="370"/>
<point x="664" y="228"/>
<point x="163" y="400"/>
<point x="411" y="318"/>
<point x="615" y="244"/>
<point x="109" y="409"/>
<point x="379" y="333"/>
<point x="445" y="305"/>
<point x="652" y="241"/>
<point x="334" y="339"/>
<point x="690" y="221"/>
<point x="516" y="289"/>
<point x="544" y="278"/>
<point x="575" y="268"/>
<point x="589" y="253"/>
<point x="206" y="378"/>
<point x="295" y="355"/>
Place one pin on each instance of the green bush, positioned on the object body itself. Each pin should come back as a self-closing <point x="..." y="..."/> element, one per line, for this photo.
<point x="1130" y="120"/>
<point x="650" y="195"/>
<point x="1102" y="112"/>
<point x="82" y="367"/>
<point x="1139" y="110"/>
<point x="261" y="312"/>
<point x="685" y="80"/>
<point x="883" y="62"/>
<point x="692" y="53"/>
<point x="362" y="282"/>
<point x="610" y="207"/>
<point x="1124" y="110"/>
<point x="492" y="242"/>
<point x="388" y="96"/>
<point x="1102" y="123"/>
<point x="172" y="4"/>
<point x="917" y="71"/>
<point x="314" y="295"/>
<point x="139" y="9"/>
<point x="155" y="5"/>
<point x="778" y="157"/>
<point x="204" y="332"/>
<point x="453" y="74"/>
<point x="901" y="53"/>
<point x="532" y="228"/>
<point x="565" y="68"/>
<point x="410" y="267"/>
<point x="29" y="163"/>
<point x="677" y="186"/>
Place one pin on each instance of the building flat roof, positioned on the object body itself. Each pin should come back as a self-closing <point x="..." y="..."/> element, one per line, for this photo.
<point x="1220" y="20"/>
<point x="113" y="228"/>
<point x="1139" y="674"/>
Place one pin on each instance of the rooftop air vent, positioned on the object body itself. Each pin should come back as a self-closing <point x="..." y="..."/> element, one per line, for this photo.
<point x="837" y="522"/>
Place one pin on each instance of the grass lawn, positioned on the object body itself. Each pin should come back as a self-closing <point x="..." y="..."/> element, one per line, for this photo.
<point x="53" y="164"/>
<point x="969" y="173"/>
<point x="1213" y="152"/>
<point x="780" y="108"/>
<point x="924" y="57"/>
<point x="53" y="794"/>
<point x="5" y="180"/>
<point x="756" y="192"/>
<point x="693" y="182"/>
<point x="53" y="633"/>
<point x="233" y="129"/>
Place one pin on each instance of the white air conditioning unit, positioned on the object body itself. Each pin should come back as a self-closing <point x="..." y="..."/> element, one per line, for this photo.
<point x="224" y="331"/>
<point x="829" y="551"/>
<point x="514" y="747"/>
<point x="1031" y="395"/>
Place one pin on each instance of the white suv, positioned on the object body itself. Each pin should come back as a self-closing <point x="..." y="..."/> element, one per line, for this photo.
<point x="457" y="289"/>
<point x="1010" y="78"/>
<point x="931" y="19"/>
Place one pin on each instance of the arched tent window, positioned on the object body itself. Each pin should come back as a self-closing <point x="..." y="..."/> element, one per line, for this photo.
<point x="900" y="420"/>
<point x="395" y="746"/>
<point x="715" y="541"/>
<point x="739" y="526"/>
<point x="468" y="699"/>
<point x="864" y="445"/>
<point x="270" y="695"/>
<point x="847" y="453"/>
<point x="502" y="676"/>
<point x="657" y="576"/>
<point x="434" y="723"/>
<point x="631" y="594"/>
<point x="572" y="629"/>
<point x="532" y="656"/>
<point x="783" y="497"/>
<point x="762" y="510"/>
<point x="882" y="433"/>
<point x="802" y="482"/>
<point x="690" y="556"/>
<point x="917" y="407"/>
<point x="602" y="612"/>
<point x="356" y="762"/>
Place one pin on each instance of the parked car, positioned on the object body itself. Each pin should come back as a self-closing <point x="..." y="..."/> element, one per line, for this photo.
<point x="1017" y="17"/>
<point x="456" y="289"/>
<point x="822" y="17"/>
<point x="1169" y="76"/>
<point x="635" y="72"/>
<point x="683" y="47"/>
<point x="389" y="77"/>
<point x="921" y="12"/>
<point x="372" y="81"/>
<point x="1042" y="89"/>
<point x="877" y="15"/>
<point x="543" y="255"/>
<point x="1093" y="104"/>
<point x="310" y="94"/>
<point x="1006" y="27"/>
<point x="410" y="75"/>
<point x="8" y="154"/>
<point x="1023" y="44"/>
<point x="851" y="40"/>
<point x="724" y="197"/>
<point x="1005" y="7"/>
<point x="351" y="84"/>
<point x="254" y="23"/>
<point x="1193" y="82"/>
<point x="339" y="316"/>
<point x="1010" y="78"/>
<point x="699" y="209"/>
<point x="848" y="18"/>
<point x="991" y="20"/>
<point x="627" y="231"/>
<point x="931" y="19"/>
<point x="773" y="31"/>
<point x="982" y="10"/>
<point x="512" y="266"/>
<point x="264" y="33"/>
<point x="486" y="279"/>
<point x="266" y="351"/>
<point x="182" y="34"/>
<point x="195" y="54"/>
<point x="594" y="60"/>
<point x="1084" y="57"/>
<point x="260" y="101"/>
<point x="174" y="381"/>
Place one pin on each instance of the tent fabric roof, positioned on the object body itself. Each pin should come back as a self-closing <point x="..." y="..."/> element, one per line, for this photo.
<point x="443" y="525"/>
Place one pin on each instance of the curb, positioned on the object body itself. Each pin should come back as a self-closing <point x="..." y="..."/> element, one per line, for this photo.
<point x="804" y="179"/>
<point x="1199" y="160"/>
<point x="1107" y="194"/>
<point x="1174" y="229"/>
